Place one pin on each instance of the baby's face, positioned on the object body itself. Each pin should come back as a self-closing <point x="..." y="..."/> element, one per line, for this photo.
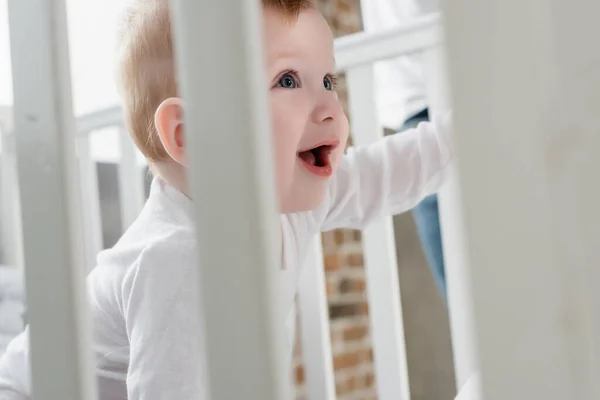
<point x="309" y="126"/>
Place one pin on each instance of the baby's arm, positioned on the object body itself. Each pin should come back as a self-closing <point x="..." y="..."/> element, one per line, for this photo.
<point x="388" y="177"/>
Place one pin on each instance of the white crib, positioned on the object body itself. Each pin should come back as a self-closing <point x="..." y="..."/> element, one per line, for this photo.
<point x="530" y="339"/>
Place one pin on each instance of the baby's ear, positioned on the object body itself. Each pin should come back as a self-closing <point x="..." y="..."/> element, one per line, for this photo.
<point x="168" y="121"/>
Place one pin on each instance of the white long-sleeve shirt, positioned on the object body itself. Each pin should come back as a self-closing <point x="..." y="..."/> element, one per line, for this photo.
<point x="141" y="293"/>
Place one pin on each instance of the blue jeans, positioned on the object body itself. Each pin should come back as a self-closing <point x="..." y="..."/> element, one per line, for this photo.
<point x="427" y="220"/>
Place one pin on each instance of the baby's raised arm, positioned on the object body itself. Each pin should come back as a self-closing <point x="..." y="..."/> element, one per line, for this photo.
<point x="388" y="177"/>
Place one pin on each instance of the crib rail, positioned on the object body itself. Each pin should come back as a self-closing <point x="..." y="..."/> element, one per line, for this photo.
<point x="365" y="48"/>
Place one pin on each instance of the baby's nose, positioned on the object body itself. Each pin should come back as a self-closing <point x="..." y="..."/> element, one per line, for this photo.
<point x="328" y="110"/>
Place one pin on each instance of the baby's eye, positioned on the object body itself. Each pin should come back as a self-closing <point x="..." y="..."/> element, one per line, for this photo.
<point x="329" y="82"/>
<point x="287" y="81"/>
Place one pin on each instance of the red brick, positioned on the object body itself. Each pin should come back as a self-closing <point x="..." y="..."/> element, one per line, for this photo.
<point x="355" y="260"/>
<point x="365" y="380"/>
<point x="332" y="262"/>
<point x="351" y="383"/>
<point x="348" y="310"/>
<point x="344" y="6"/>
<point x="348" y="285"/>
<point x="355" y="332"/>
<point x="345" y="360"/>
<point x="345" y="285"/>
<point x="369" y="379"/>
<point x="299" y="374"/>
<point x="360" y="285"/>
<point x="347" y="385"/>
<point x="363" y="308"/>
<point x="339" y="236"/>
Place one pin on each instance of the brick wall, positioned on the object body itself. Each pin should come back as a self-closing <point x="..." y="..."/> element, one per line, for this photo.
<point x="345" y="276"/>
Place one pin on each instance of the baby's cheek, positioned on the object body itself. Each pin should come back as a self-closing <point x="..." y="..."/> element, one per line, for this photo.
<point x="343" y="135"/>
<point x="344" y="129"/>
<point x="283" y="164"/>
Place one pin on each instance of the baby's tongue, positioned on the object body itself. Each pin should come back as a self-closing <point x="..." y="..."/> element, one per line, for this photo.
<point x="308" y="157"/>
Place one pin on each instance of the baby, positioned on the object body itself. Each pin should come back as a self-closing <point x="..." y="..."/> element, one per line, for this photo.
<point x="142" y="291"/>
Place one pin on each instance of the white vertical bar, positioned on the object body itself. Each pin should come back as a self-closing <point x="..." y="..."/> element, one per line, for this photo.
<point x="460" y="304"/>
<point x="131" y="182"/>
<point x="219" y="49"/>
<point x="11" y="212"/>
<point x="6" y="190"/>
<point x="451" y="221"/>
<point x="316" y="334"/>
<point x="90" y="195"/>
<point x="61" y="362"/>
<point x="385" y="308"/>
<point x="527" y="137"/>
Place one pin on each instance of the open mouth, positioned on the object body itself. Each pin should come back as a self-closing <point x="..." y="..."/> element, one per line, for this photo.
<point x="317" y="160"/>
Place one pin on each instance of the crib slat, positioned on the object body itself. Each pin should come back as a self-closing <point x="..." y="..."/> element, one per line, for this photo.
<point x="453" y="235"/>
<point x="221" y="71"/>
<point x="527" y="139"/>
<point x="90" y="196"/>
<point x="131" y="182"/>
<point x="316" y="334"/>
<point x="50" y="200"/>
<point x="12" y="245"/>
<point x="383" y="288"/>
